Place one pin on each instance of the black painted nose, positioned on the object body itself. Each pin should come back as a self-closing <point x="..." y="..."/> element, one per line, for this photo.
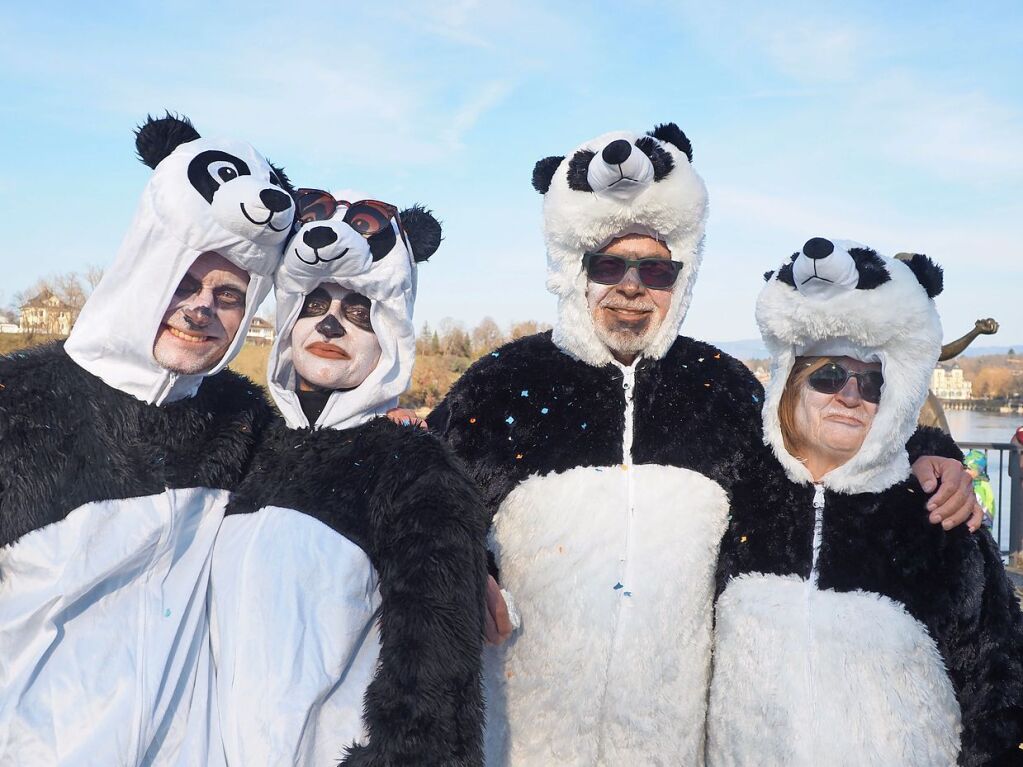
<point x="818" y="247"/>
<point x="275" y="200"/>
<point x="617" y="152"/>
<point x="319" y="237"/>
<point x="329" y="327"/>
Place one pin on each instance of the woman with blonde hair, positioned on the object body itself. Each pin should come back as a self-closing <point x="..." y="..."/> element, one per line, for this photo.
<point x="849" y="630"/>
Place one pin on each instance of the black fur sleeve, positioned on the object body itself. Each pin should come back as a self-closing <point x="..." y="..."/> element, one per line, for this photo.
<point x="927" y="440"/>
<point x="982" y="643"/>
<point x="426" y="535"/>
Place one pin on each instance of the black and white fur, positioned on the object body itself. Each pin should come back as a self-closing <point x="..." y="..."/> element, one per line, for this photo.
<point x="850" y="630"/>
<point x="354" y="547"/>
<point x="114" y="477"/>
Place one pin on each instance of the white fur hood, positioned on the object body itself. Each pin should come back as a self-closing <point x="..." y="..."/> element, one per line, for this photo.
<point x="614" y="184"/>
<point x="841" y="298"/>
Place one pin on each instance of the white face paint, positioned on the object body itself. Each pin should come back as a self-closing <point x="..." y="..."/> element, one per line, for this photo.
<point x="333" y="344"/>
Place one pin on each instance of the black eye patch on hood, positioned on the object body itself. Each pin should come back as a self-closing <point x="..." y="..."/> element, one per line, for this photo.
<point x="578" y="168"/>
<point x="785" y="273"/>
<point x="659" y="157"/>
<point x="870" y="267"/>
<point x="209" y="169"/>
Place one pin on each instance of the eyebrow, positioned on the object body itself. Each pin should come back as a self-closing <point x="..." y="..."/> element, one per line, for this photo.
<point x="356" y="298"/>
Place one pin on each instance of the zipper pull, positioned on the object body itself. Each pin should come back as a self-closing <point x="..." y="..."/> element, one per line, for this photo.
<point x="628" y="378"/>
<point x="818" y="496"/>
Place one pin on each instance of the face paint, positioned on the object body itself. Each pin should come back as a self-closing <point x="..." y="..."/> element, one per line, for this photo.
<point x="333" y="343"/>
<point x="203" y="316"/>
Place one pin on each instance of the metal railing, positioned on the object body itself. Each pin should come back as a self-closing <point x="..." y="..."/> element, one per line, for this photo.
<point x="1006" y="479"/>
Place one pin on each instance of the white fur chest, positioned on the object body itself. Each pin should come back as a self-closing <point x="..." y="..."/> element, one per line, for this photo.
<point x="806" y="677"/>
<point x="612" y="569"/>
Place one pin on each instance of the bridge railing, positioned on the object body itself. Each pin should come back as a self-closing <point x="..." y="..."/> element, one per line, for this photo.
<point x="1004" y="471"/>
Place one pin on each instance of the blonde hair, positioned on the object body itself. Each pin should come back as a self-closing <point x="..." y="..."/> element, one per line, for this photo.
<point x="802" y="369"/>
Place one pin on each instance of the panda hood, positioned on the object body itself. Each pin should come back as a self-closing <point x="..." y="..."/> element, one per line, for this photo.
<point x="616" y="184"/>
<point x="839" y="298"/>
<point x="382" y="268"/>
<point x="204" y="195"/>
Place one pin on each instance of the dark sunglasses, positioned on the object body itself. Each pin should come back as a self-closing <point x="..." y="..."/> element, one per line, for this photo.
<point x="832" y="378"/>
<point x="608" y="269"/>
<point x="367" y="217"/>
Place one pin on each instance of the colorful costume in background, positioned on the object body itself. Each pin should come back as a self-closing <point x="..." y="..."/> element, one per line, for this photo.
<point x="348" y="577"/>
<point x="115" y="474"/>
<point x="975" y="462"/>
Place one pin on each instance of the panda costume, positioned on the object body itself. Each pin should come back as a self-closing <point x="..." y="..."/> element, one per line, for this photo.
<point x="115" y="473"/>
<point x="851" y="631"/>
<point x="351" y="566"/>
<point x="609" y="485"/>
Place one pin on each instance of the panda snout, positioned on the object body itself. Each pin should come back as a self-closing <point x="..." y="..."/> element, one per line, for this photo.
<point x="818" y="248"/>
<point x="319" y="237"/>
<point x="275" y="200"/>
<point x="616" y="152"/>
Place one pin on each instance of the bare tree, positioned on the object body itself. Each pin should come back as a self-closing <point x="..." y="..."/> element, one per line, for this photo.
<point x="486" y="336"/>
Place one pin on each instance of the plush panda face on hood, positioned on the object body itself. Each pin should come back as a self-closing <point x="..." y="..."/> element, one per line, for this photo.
<point x="205" y="195"/>
<point x="381" y="268"/>
<point x="616" y="184"/>
<point x="839" y="298"/>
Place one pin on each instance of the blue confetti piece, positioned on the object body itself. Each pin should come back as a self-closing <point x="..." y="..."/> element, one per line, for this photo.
<point x="756" y="398"/>
<point x="495" y="354"/>
<point x="167" y="613"/>
<point x="618" y="586"/>
<point x="627" y="593"/>
<point x="544" y="411"/>
<point x="525" y="393"/>
<point x="583" y="427"/>
<point x="509" y="420"/>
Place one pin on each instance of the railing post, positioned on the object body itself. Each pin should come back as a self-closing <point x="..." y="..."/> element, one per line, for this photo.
<point x="1015" y="501"/>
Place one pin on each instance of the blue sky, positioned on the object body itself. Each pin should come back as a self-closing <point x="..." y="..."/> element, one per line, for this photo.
<point x="897" y="125"/>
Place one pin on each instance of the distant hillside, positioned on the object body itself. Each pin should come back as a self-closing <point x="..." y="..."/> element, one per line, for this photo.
<point x="754" y="349"/>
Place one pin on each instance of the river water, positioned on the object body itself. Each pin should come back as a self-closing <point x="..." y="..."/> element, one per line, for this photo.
<point x="978" y="426"/>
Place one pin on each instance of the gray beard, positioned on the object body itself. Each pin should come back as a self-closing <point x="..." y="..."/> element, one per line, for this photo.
<point x="626" y="341"/>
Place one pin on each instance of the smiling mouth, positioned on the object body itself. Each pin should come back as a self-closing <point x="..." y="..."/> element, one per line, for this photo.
<point x="262" y="223"/>
<point x="317" y="259"/>
<point x="844" y="420"/>
<point x="628" y="311"/>
<point x="326" y="351"/>
<point x="192" y="338"/>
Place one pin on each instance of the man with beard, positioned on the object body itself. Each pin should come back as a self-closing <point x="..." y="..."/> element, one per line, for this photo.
<point x="609" y="452"/>
<point x="354" y="548"/>
<point x="118" y="450"/>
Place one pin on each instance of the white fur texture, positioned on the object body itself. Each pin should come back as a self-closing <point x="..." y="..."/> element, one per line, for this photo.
<point x="575" y="222"/>
<point x="599" y="675"/>
<point x="808" y="678"/>
<point x="896" y="323"/>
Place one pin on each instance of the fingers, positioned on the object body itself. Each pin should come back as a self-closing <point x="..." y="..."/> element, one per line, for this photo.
<point x="498" y="625"/>
<point x="960" y="505"/>
<point x="976" y="518"/>
<point x="926" y="472"/>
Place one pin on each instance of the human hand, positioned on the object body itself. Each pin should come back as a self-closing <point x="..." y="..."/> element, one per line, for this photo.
<point x="987" y="327"/>
<point x="405" y="417"/>
<point x="954" y="502"/>
<point x="498" y="625"/>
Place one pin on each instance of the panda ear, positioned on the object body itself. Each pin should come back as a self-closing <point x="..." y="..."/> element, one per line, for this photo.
<point x="286" y="184"/>
<point x="158" y="137"/>
<point x="672" y="134"/>
<point x="928" y="273"/>
<point x="543" y="172"/>
<point x="768" y="275"/>
<point x="422" y="231"/>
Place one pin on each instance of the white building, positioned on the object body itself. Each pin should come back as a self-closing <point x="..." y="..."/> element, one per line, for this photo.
<point x="950" y="384"/>
<point x="260" y="331"/>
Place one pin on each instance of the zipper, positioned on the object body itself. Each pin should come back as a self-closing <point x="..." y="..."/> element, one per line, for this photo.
<point x="623" y="588"/>
<point x="818" y="526"/>
<point x="811" y="588"/>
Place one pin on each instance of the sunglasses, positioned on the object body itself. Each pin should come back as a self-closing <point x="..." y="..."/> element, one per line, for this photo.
<point x="367" y="217"/>
<point x="608" y="269"/>
<point x="832" y="378"/>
